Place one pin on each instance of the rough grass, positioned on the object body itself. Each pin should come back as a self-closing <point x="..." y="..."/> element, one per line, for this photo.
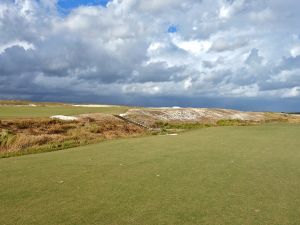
<point x="215" y="176"/>
<point x="235" y="123"/>
<point x="26" y="102"/>
<point x="19" y="137"/>
<point x="9" y="112"/>
<point x="179" y="126"/>
<point x="6" y="138"/>
<point x="15" y="102"/>
<point x="195" y="125"/>
<point x="26" y="136"/>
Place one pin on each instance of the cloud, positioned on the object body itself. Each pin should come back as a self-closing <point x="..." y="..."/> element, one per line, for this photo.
<point x="295" y="51"/>
<point x="254" y="58"/>
<point x="157" y="5"/>
<point x="25" y="45"/>
<point x="262" y="16"/>
<point x="123" y="53"/>
<point x="194" y="47"/>
<point x="221" y="45"/>
<point x="229" y="7"/>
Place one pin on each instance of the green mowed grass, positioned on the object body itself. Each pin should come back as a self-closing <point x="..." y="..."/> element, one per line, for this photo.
<point x="220" y="175"/>
<point x="7" y="112"/>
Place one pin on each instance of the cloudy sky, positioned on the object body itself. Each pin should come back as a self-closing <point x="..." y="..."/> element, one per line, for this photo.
<point x="242" y="54"/>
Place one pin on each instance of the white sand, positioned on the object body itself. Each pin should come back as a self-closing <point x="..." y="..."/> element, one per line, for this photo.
<point x="66" y="118"/>
<point x="95" y="106"/>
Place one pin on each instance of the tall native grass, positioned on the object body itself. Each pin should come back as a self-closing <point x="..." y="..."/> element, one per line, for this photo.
<point x="41" y="135"/>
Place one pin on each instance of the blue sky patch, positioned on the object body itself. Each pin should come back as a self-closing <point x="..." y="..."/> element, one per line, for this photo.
<point x="68" y="5"/>
<point x="172" y="29"/>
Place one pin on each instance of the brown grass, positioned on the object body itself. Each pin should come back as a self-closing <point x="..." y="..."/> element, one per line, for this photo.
<point x="18" y="136"/>
<point x="25" y="103"/>
<point x="23" y="136"/>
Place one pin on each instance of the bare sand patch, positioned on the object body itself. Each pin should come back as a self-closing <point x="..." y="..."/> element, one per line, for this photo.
<point x="65" y="118"/>
<point x="151" y="116"/>
<point x="95" y="106"/>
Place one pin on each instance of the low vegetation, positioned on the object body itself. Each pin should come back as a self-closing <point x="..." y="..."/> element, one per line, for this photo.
<point x="13" y="112"/>
<point x="25" y="136"/>
<point x="19" y="137"/>
<point x="194" y="125"/>
<point x="165" y="126"/>
<point x="30" y="103"/>
<point x="236" y="123"/>
<point x="25" y="126"/>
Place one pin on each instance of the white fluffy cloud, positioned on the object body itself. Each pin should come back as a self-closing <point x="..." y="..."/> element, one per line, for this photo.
<point x="222" y="49"/>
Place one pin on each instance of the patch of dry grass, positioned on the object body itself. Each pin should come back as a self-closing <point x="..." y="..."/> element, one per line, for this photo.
<point x="30" y="135"/>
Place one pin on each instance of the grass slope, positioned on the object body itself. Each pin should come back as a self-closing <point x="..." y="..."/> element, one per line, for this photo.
<point x="220" y="175"/>
<point x="7" y="112"/>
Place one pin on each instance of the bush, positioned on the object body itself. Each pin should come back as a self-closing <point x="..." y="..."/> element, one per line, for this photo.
<point x="94" y="128"/>
<point x="19" y="137"/>
<point x="26" y="141"/>
<point x="185" y="126"/>
<point x="230" y="122"/>
<point x="6" y="138"/>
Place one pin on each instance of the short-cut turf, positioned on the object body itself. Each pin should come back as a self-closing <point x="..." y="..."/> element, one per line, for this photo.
<point x="221" y="175"/>
<point x="11" y="112"/>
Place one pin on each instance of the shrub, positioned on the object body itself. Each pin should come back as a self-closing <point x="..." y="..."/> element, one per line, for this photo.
<point x="6" y="138"/>
<point x="94" y="128"/>
<point x="25" y="141"/>
<point x="23" y="124"/>
<point x="19" y="137"/>
<point x="234" y="122"/>
<point x="180" y="125"/>
<point x="58" y="129"/>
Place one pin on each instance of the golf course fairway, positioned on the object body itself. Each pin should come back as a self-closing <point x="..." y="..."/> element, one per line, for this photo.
<point x="219" y="175"/>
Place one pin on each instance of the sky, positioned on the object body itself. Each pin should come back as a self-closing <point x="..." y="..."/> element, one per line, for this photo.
<point x="240" y="54"/>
